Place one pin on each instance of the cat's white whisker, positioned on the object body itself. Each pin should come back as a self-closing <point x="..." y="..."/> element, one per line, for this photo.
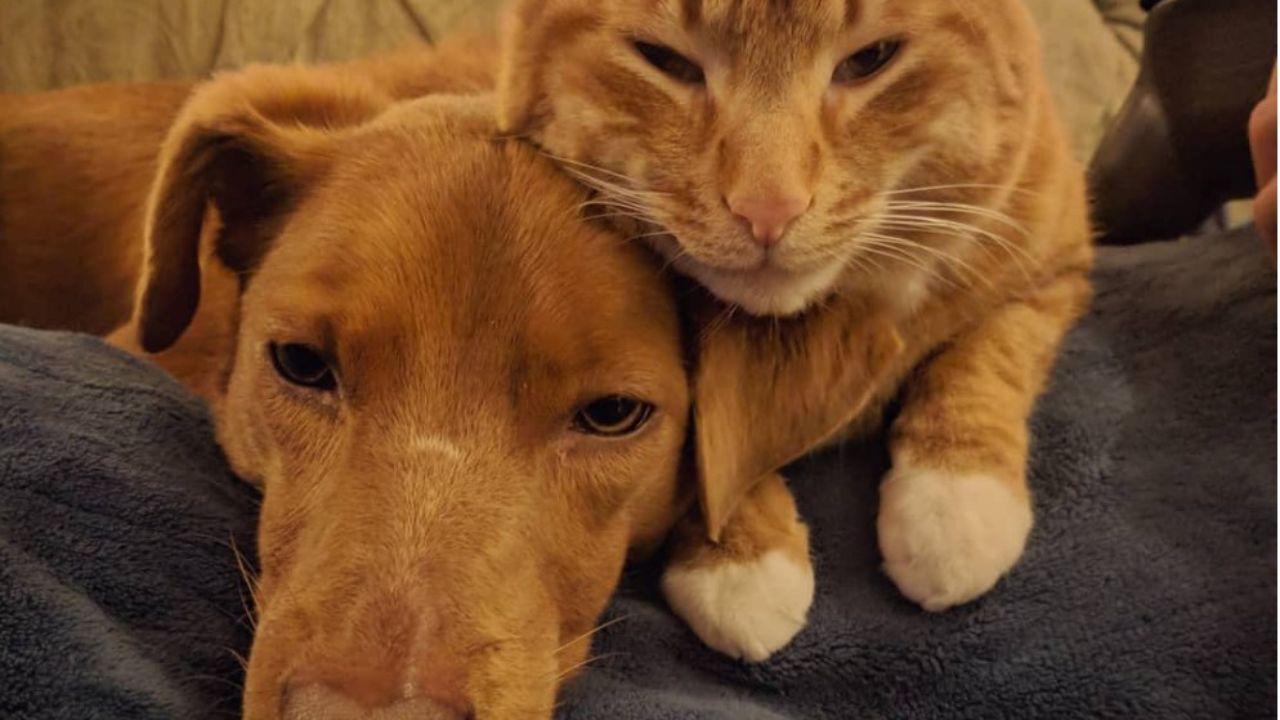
<point x="634" y="209"/>
<point x="829" y="253"/>
<point x="612" y="186"/>
<point x="890" y="253"/>
<point x="1012" y="252"/>
<point x="958" y="227"/>
<point x="907" y="247"/>
<point x="963" y="208"/>
<point x="719" y="322"/>
<point x="606" y="210"/>
<point x="586" y="166"/>
<point x="613" y="191"/>
<point x="930" y="222"/>
<point x="894" y="251"/>
<point x="679" y="254"/>
<point x="642" y="236"/>
<point x="1015" y="253"/>
<point x="954" y="261"/>
<point x="618" y="194"/>
<point x="581" y="166"/>
<point x="861" y="264"/>
<point x="960" y="186"/>
<point x="605" y="213"/>
<point x="604" y="201"/>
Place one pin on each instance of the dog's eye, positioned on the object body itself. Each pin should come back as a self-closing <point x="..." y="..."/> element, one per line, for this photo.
<point x="866" y="62"/>
<point x="670" y="62"/>
<point x="612" y="416"/>
<point x="302" y="365"/>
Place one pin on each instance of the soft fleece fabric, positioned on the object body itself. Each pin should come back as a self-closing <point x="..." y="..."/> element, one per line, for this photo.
<point x="1148" y="589"/>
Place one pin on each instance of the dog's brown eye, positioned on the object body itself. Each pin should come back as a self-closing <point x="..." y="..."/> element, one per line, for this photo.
<point x="302" y="365"/>
<point x="866" y="62"/>
<point x="612" y="416"/>
<point x="670" y="62"/>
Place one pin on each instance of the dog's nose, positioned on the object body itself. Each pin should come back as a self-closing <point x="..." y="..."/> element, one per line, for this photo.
<point x="769" y="215"/>
<point x="321" y="702"/>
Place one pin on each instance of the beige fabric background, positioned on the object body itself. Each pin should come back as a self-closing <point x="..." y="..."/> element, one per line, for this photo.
<point x="1091" y="50"/>
<point x="53" y="43"/>
<point x="1091" y="46"/>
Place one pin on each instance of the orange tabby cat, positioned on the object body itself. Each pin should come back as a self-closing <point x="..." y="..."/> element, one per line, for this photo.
<point x="885" y="179"/>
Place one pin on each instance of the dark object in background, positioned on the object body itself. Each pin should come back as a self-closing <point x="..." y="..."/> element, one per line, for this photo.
<point x="1179" y="148"/>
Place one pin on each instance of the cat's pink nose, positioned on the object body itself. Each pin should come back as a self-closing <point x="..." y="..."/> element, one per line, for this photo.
<point x="769" y="215"/>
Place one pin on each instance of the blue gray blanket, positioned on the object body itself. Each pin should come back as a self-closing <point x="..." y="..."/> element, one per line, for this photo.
<point x="1148" y="589"/>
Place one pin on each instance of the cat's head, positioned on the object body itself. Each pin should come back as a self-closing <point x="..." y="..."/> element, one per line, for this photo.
<point x="783" y="144"/>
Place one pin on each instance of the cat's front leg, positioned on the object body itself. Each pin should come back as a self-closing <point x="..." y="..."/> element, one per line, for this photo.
<point x="955" y="509"/>
<point x="749" y="594"/>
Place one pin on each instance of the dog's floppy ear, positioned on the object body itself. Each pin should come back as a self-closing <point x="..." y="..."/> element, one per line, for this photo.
<point x="247" y="144"/>
<point x="766" y="391"/>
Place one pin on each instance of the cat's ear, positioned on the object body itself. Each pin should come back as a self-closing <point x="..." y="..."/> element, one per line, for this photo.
<point x="246" y="144"/>
<point x="519" y="74"/>
<point x="1016" y="62"/>
<point x="767" y="391"/>
<point x="530" y="31"/>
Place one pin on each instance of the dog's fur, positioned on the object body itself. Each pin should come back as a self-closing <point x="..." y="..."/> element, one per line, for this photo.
<point x="436" y="537"/>
<point x="70" y="210"/>
<point x="72" y="160"/>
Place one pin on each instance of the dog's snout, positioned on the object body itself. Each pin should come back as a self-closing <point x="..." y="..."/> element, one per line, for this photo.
<point x="386" y="661"/>
<point x="318" y="701"/>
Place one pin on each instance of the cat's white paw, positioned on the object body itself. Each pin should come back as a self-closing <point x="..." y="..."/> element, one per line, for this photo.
<point x="746" y="610"/>
<point x="947" y="539"/>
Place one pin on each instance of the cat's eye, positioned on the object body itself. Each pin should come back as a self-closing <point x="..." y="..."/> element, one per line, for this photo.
<point x="302" y="365"/>
<point x="612" y="416"/>
<point x="670" y="62"/>
<point x="866" y="62"/>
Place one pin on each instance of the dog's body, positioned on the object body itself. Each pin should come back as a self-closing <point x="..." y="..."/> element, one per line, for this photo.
<point x="446" y="506"/>
<point x="70" y="206"/>
<point x="73" y="161"/>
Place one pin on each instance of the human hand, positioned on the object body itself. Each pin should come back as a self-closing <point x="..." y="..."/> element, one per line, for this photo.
<point x="1262" y="143"/>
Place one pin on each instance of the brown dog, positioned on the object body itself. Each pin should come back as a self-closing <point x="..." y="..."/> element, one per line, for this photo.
<point x="384" y="307"/>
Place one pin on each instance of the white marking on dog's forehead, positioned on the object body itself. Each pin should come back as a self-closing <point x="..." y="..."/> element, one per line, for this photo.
<point x="438" y="444"/>
<point x="410" y="687"/>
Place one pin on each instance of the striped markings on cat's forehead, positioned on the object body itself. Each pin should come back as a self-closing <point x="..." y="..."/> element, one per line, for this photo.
<point x="696" y="9"/>
<point x="696" y="12"/>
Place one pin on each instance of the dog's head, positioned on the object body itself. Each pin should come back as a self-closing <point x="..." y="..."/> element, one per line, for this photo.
<point x="463" y="403"/>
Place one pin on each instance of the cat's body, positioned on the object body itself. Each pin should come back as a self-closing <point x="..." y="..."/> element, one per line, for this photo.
<point x="889" y="181"/>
